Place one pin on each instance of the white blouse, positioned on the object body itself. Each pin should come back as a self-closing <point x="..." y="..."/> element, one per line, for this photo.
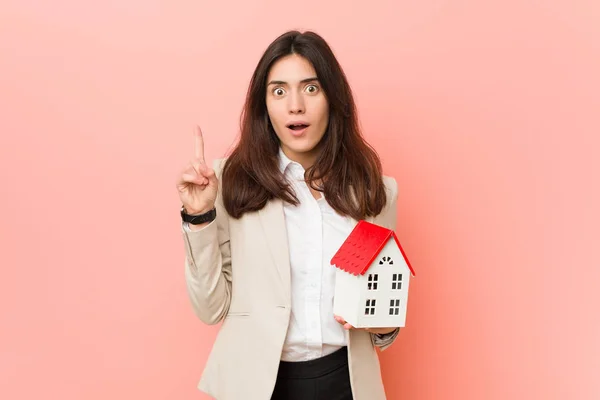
<point x="315" y="232"/>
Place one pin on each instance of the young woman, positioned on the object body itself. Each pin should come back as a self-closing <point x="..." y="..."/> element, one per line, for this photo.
<point x="261" y="226"/>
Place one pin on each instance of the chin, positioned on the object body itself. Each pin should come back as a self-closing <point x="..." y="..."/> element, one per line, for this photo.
<point x="301" y="149"/>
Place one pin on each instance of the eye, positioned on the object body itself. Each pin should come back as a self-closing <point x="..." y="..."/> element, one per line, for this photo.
<point x="312" y="88"/>
<point x="278" y="91"/>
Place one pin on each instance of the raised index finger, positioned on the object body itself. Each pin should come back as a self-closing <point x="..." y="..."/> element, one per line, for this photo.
<point x="199" y="144"/>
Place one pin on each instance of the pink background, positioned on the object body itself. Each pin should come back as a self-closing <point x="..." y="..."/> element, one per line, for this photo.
<point x="486" y="112"/>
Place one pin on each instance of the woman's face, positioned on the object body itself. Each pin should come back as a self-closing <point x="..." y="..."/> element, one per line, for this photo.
<point x="297" y="107"/>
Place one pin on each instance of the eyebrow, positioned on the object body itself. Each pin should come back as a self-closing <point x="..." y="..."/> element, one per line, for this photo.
<point x="285" y="83"/>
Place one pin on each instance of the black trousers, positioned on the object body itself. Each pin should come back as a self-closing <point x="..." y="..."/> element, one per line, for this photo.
<point x="326" y="378"/>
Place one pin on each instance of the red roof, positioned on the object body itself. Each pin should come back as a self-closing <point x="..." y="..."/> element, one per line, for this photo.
<point x="362" y="246"/>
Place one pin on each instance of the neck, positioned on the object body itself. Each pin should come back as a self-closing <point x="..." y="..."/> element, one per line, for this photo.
<point x="306" y="159"/>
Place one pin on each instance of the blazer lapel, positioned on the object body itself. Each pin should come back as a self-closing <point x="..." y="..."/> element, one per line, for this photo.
<point x="272" y="220"/>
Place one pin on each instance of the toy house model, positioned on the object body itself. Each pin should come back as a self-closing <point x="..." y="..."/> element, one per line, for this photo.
<point x="372" y="278"/>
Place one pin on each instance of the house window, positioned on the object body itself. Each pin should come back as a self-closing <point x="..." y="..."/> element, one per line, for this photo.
<point x="394" y="306"/>
<point x="372" y="283"/>
<point x="396" y="281"/>
<point x="370" y="307"/>
<point x="386" y="260"/>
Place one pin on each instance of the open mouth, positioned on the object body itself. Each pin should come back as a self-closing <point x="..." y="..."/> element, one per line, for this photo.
<point x="297" y="127"/>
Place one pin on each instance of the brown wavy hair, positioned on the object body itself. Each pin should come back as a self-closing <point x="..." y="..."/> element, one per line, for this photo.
<point x="347" y="170"/>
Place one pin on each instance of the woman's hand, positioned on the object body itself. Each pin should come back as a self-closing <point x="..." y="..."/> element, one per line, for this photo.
<point x="198" y="185"/>
<point x="380" y="331"/>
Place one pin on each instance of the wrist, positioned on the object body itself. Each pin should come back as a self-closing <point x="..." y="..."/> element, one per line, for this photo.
<point x="194" y="212"/>
<point x="382" y="332"/>
<point x="201" y="218"/>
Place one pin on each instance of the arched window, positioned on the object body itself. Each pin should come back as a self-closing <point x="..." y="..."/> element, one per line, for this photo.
<point x="386" y="260"/>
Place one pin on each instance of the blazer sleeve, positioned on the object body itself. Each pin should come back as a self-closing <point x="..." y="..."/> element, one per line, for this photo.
<point x="389" y="218"/>
<point x="208" y="264"/>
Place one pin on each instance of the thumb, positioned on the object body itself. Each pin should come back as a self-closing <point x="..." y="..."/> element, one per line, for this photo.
<point x="209" y="174"/>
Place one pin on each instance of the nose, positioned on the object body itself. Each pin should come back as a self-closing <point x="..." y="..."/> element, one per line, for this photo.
<point x="296" y="103"/>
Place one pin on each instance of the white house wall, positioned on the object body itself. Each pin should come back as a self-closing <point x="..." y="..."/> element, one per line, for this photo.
<point x="347" y="296"/>
<point x="384" y="292"/>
